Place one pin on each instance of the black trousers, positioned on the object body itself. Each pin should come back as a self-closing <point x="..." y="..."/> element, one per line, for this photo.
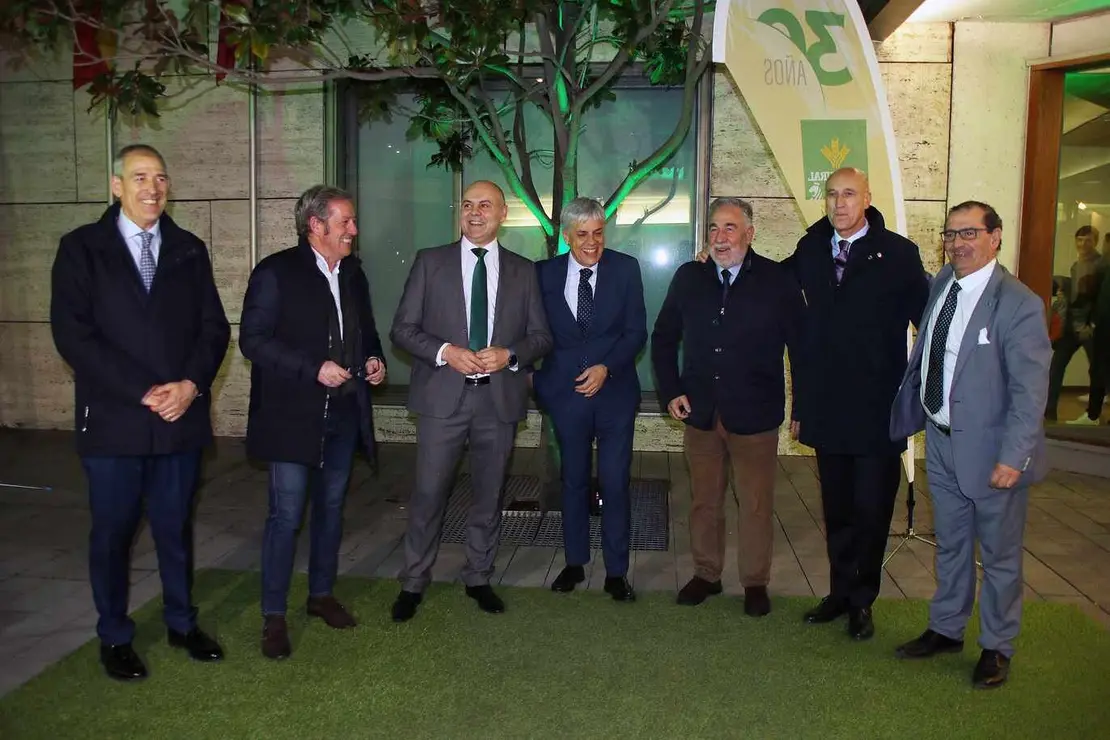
<point x="1063" y="349"/>
<point x="857" y="495"/>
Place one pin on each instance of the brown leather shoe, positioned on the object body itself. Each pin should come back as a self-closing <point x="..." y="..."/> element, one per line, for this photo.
<point x="275" y="637"/>
<point x="331" y="611"/>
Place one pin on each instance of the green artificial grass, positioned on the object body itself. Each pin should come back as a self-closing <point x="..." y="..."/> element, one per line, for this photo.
<point x="569" y="666"/>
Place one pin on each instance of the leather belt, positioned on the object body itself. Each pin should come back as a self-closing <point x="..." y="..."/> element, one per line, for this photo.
<point x="484" y="380"/>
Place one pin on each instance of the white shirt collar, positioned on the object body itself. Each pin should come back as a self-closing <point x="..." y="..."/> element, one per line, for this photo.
<point x="576" y="266"/>
<point x="469" y="246"/>
<point x="323" y="263"/>
<point x="836" y="237"/>
<point x="977" y="279"/>
<point x="130" y="229"/>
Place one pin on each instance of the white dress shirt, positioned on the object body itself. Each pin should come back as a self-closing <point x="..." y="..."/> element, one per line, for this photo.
<point x="133" y="237"/>
<point x="574" y="277"/>
<point x="971" y="290"/>
<point x="469" y="261"/>
<point x="837" y="238"/>
<point x="332" y="277"/>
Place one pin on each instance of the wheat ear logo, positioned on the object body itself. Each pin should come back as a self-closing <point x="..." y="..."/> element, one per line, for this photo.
<point x="835" y="153"/>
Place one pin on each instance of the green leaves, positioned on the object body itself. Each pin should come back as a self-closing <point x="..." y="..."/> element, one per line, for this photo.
<point x="134" y="92"/>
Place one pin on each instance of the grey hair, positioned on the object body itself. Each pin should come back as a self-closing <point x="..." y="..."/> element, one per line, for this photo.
<point x="315" y="202"/>
<point x="579" y="211"/>
<point x="117" y="161"/>
<point x="740" y="203"/>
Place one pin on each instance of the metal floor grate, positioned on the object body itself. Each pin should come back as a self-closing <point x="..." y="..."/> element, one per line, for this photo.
<point x="650" y="515"/>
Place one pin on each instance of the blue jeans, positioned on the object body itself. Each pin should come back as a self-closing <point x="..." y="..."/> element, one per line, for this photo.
<point x="290" y="485"/>
<point x="117" y="487"/>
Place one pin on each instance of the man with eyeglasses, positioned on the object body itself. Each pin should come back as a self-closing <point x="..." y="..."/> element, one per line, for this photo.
<point x="308" y="329"/>
<point x="976" y="382"/>
<point x="1079" y="326"/>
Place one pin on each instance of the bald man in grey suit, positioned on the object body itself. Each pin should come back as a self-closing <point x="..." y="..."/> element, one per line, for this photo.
<point x="977" y="382"/>
<point x="472" y="318"/>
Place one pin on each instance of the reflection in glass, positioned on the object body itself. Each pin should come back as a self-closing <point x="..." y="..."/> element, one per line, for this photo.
<point x="1081" y="259"/>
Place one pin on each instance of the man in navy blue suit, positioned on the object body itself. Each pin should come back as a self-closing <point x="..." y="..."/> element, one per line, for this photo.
<point x="594" y="300"/>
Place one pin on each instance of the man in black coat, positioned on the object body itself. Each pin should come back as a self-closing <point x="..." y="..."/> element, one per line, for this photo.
<point x="734" y="316"/>
<point x="863" y="285"/>
<point x="135" y="313"/>
<point x="308" y="330"/>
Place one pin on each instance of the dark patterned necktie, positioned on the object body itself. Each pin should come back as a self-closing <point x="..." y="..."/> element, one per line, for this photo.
<point x="726" y="279"/>
<point x="934" y="379"/>
<point x="146" y="261"/>
<point x="840" y="261"/>
<point x="585" y="300"/>
<point x="479" y="303"/>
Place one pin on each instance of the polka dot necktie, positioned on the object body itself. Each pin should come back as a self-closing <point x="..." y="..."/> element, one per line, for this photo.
<point x="934" y="379"/>
<point x="585" y="300"/>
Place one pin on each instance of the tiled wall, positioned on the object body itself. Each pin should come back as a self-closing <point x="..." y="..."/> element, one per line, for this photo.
<point x="53" y="177"/>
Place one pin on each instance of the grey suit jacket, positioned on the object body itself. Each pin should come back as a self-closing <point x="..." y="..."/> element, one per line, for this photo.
<point x="999" y="387"/>
<point x="433" y="311"/>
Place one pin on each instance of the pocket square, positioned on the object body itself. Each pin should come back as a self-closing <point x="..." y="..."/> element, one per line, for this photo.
<point x="983" y="336"/>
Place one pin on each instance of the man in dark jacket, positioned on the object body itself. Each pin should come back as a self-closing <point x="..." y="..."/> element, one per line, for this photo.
<point x="734" y="315"/>
<point x="135" y="313"/>
<point x="308" y="330"/>
<point x="863" y="285"/>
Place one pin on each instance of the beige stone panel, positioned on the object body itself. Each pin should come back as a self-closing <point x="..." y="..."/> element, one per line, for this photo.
<point x="990" y="95"/>
<point x="30" y="235"/>
<point x="32" y="64"/>
<point x="36" y="143"/>
<point x="36" y="387"/>
<point x="194" y="217"/>
<point x="1085" y="35"/>
<point x="231" y="392"/>
<point x="230" y="245"/>
<point x="290" y="140"/>
<point x="202" y="132"/>
<point x="924" y="221"/>
<point x="93" y="167"/>
<point x="920" y="96"/>
<point x="917" y="42"/>
<point x="740" y="159"/>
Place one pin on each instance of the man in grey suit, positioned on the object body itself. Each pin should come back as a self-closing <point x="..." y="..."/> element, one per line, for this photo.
<point x="977" y="382"/>
<point x="472" y="318"/>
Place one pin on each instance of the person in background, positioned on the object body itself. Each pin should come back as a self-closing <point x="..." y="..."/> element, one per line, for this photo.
<point x="1078" y="329"/>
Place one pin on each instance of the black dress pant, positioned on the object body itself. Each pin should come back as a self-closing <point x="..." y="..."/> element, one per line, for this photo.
<point x="857" y="495"/>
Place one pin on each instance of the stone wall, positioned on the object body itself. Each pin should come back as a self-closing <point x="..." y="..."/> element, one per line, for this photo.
<point x="54" y="177"/>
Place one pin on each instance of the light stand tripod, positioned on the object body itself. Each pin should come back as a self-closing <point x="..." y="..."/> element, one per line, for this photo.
<point x="910" y="533"/>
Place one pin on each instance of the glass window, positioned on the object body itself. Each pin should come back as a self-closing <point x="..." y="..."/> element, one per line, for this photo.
<point x="403" y="206"/>
<point x="1081" y="260"/>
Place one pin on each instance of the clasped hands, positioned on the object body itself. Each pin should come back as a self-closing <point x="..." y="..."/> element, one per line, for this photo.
<point x="468" y="362"/>
<point x="333" y="375"/>
<point x="171" y="400"/>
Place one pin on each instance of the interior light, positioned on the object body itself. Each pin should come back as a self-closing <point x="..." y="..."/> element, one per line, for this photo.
<point x="661" y="258"/>
<point x="1082" y="206"/>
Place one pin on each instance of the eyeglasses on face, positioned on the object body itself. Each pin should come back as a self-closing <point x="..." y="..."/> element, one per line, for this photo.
<point x="949" y="235"/>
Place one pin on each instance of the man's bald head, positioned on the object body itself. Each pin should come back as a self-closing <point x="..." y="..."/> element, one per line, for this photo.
<point x="847" y="198"/>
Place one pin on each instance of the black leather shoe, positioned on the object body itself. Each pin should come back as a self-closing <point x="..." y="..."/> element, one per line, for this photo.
<point x="697" y="590"/>
<point x="860" y="624"/>
<point x="826" y="611"/>
<point x="275" y="637"/>
<point x="927" y="645"/>
<point x="756" y="601"/>
<point x="404" y="608"/>
<point x="991" y="671"/>
<point x="122" y="663"/>
<point x="199" y="645"/>
<point x="620" y="589"/>
<point x="568" y="578"/>
<point x="487" y="600"/>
